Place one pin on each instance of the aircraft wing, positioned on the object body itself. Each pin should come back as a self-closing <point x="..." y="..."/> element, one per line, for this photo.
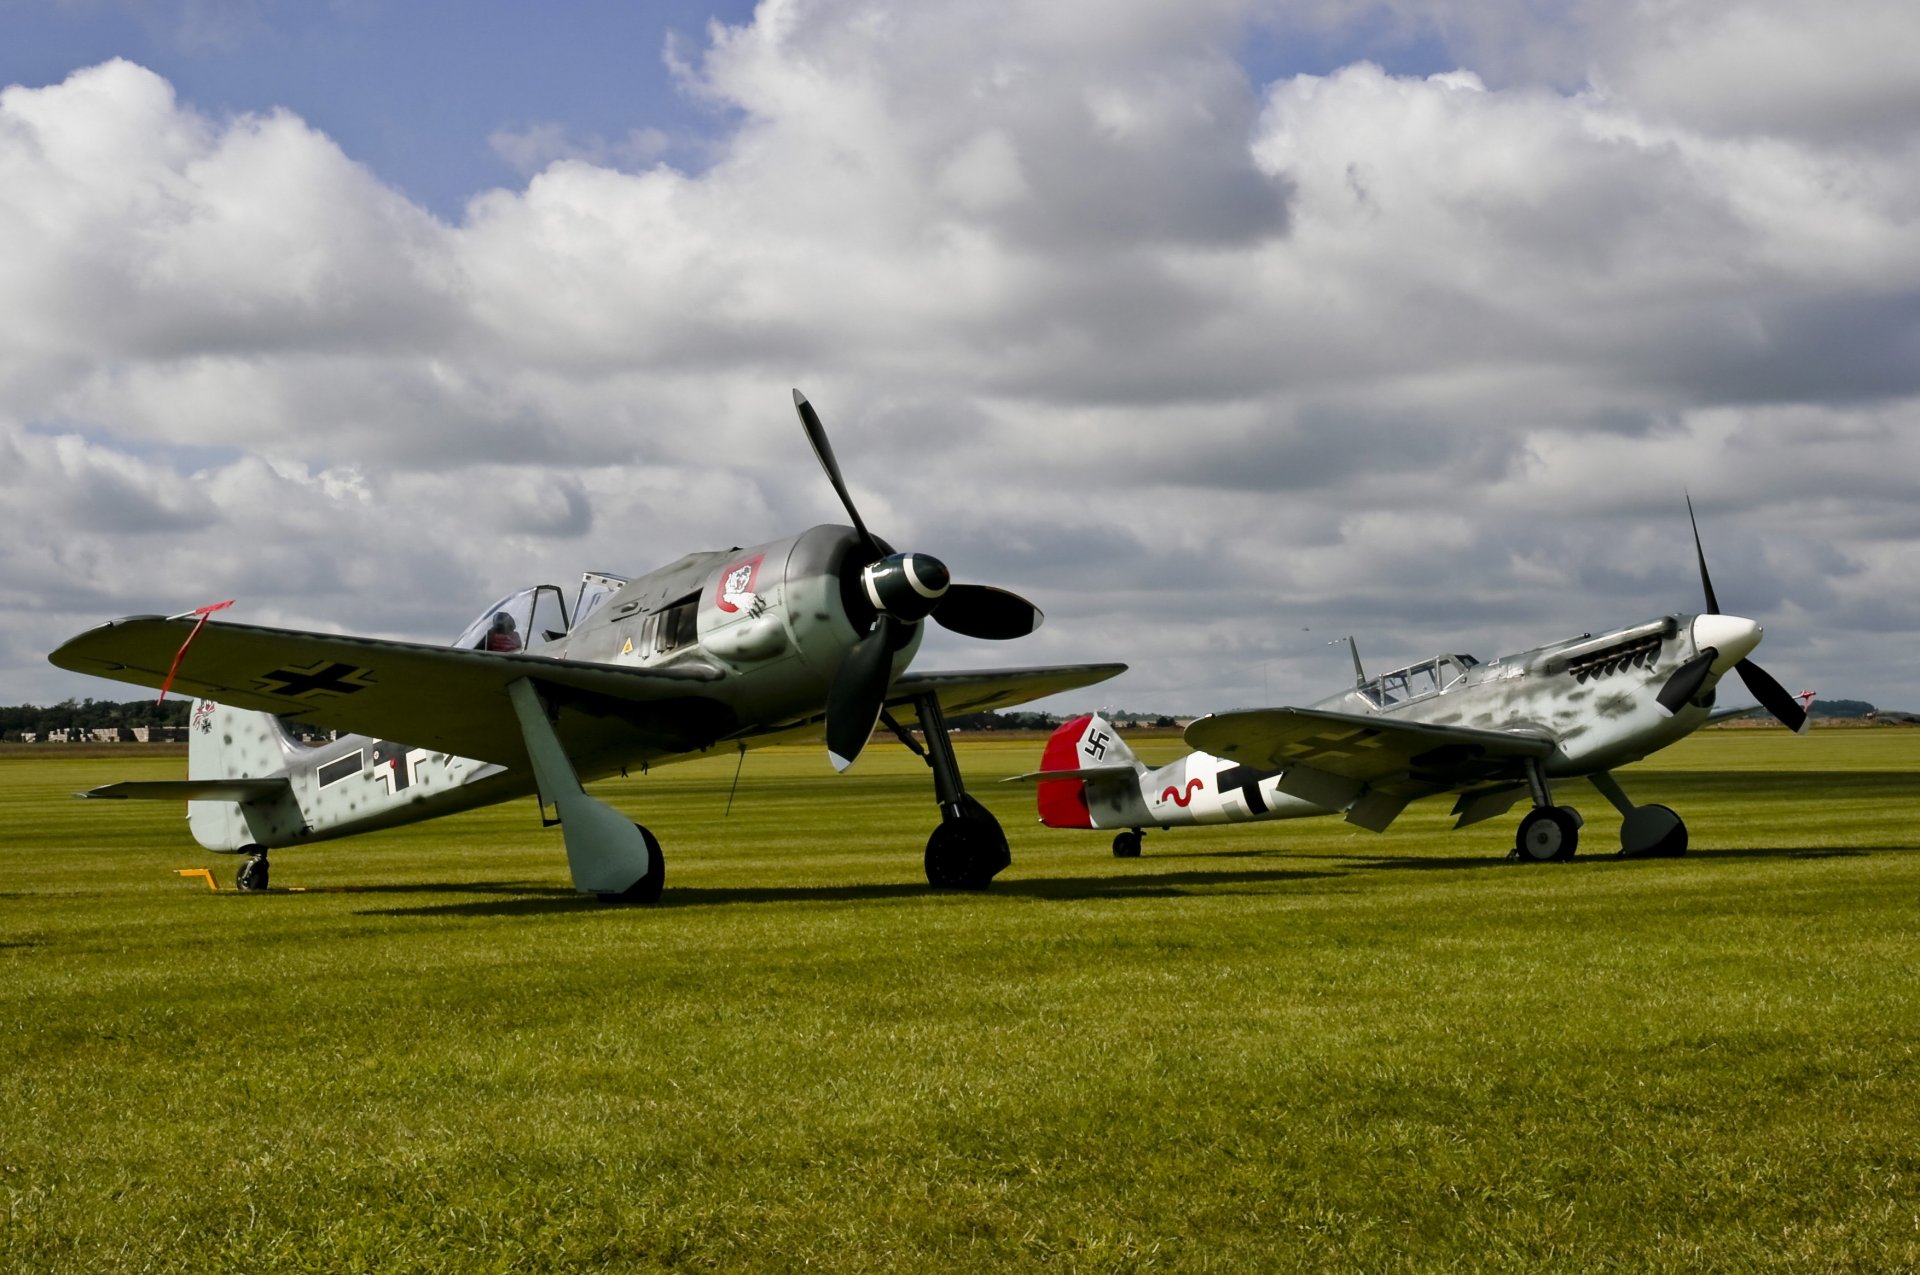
<point x="980" y="691"/>
<point x="434" y="697"/>
<point x="960" y="692"/>
<point x="1370" y="749"/>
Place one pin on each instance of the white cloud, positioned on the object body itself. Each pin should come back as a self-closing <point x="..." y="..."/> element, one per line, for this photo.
<point x="1214" y="369"/>
<point x="530" y="149"/>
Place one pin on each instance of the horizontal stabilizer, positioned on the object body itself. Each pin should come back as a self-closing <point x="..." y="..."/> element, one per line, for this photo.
<point x="1089" y="774"/>
<point x="241" y="790"/>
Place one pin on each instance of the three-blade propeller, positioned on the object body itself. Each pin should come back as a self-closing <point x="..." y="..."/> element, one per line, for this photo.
<point x="1689" y="677"/>
<point x="904" y="589"/>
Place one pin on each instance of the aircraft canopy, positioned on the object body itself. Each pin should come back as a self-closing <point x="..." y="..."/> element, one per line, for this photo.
<point x="1417" y="680"/>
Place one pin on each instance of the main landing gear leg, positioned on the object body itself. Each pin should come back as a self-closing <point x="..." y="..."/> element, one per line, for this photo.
<point x="607" y="854"/>
<point x="1549" y="833"/>
<point x="1651" y="832"/>
<point x="968" y="849"/>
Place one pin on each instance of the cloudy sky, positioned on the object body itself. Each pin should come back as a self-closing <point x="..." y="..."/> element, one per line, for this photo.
<point x="1219" y="328"/>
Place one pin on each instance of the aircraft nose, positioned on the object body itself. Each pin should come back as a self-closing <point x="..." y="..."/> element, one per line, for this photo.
<point x="1731" y="635"/>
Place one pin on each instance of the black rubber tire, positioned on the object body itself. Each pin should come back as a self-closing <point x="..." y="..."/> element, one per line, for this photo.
<point x="1126" y="845"/>
<point x="1671" y="846"/>
<point x="968" y="852"/>
<point x="1549" y="834"/>
<point x="647" y="888"/>
<point x="252" y="876"/>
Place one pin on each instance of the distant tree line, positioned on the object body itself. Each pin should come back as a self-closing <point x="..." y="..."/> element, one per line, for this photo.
<point x="91" y="714"/>
<point x="1010" y="720"/>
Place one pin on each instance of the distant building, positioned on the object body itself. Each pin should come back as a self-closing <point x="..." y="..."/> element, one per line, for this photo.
<point x="160" y="734"/>
<point x="29" y="736"/>
<point x="107" y="735"/>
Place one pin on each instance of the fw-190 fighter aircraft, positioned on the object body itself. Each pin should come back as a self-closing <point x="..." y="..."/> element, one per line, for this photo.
<point x="1492" y="733"/>
<point x="732" y="648"/>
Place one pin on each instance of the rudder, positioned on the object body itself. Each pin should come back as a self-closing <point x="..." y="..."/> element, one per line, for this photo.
<point x="1088" y="742"/>
<point x="233" y="743"/>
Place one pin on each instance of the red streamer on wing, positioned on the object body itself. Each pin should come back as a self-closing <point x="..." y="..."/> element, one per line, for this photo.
<point x="181" y="654"/>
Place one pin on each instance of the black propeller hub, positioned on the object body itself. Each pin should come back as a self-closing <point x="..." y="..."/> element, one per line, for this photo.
<point x="906" y="586"/>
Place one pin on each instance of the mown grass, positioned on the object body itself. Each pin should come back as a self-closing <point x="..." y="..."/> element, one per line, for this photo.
<point x="1270" y="1047"/>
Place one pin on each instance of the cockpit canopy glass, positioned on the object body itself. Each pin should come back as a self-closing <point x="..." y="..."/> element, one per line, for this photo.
<point x="520" y="621"/>
<point x="595" y="588"/>
<point x="1417" y="680"/>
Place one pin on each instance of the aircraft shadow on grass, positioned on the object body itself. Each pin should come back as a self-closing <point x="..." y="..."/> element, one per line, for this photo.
<point x="525" y="898"/>
<point x="533" y="900"/>
<point x="515" y="898"/>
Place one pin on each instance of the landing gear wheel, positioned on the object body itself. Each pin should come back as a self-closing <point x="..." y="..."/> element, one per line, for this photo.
<point x="967" y="852"/>
<point x="647" y="888"/>
<point x="252" y="876"/>
<point x="1652" y="832"/>
<point x="1549" y="834"/>
<point x="1126" y="845"/>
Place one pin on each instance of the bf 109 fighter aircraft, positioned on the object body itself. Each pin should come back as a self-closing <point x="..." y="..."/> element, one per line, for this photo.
<point x="726" y="649"/>
<point x="1492" y="733"/>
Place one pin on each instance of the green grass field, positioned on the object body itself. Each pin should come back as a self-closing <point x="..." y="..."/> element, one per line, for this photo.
<point x="1287" y="1046"/>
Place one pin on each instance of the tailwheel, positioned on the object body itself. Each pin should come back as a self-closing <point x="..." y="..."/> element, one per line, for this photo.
<point x="252" y="876"/>
<point x="1652" y="832"/>
<point x="967" y="850"/>
<point x="647" y="888"/>
<point x="1126" y="845"/>
<point x="1549" y="834"/>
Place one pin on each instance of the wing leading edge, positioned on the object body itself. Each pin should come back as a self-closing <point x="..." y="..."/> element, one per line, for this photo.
<point x="980" y="691"/>
<point x="964" y="691"/>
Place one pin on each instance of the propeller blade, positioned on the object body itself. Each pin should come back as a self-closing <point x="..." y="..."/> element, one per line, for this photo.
<point x="858" y="694"/>
<point x="982" y="611"/>
<point x="1772" y="696"/>
<point x="1706" y="581"/>
<point x="1686" y="681"/>
<point x="823" y="451"/>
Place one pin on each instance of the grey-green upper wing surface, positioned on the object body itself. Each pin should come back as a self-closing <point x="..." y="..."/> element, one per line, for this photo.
<point x="1376" y="750"/>
<point x="436" y="697"/>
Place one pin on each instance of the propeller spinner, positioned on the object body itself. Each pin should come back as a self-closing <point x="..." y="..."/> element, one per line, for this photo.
<point x="904" y="588"/>
<point x="1723" y="637"/>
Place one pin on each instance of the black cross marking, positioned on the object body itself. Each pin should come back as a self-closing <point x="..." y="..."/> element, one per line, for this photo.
<point x="1247" y="779"/>
<point x="318" y="678"/>
<point x="1345" y="744"/>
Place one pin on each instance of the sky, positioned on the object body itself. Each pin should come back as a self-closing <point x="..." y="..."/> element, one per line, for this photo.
<point x="1221" y="329"/>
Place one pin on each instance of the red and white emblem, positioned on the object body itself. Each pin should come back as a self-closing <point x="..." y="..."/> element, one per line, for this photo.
<point x="736" y="585"/>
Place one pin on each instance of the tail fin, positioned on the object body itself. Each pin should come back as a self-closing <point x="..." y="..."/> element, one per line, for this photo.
<point x="1084" y="744"/>
<point x="233" y="743"/>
